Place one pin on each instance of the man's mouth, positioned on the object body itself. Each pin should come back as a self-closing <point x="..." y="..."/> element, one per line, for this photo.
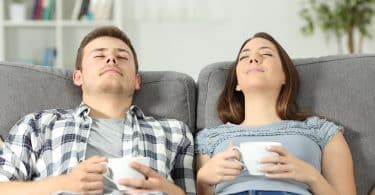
<point x="111" y="71"/>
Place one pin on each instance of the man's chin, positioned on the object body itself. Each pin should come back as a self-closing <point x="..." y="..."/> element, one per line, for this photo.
<point x="115" y="89"/>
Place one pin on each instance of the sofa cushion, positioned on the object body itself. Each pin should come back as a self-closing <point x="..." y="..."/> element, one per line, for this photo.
<point x="338" y="87"/>
<point x="29" y="88"/>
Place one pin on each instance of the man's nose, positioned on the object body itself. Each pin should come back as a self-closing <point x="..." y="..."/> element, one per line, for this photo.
<point x="254" y="60"/>
<point x="111" y="60"/>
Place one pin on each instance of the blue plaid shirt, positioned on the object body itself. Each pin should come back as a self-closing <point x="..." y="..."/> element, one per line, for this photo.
<point x="53" y="142"/>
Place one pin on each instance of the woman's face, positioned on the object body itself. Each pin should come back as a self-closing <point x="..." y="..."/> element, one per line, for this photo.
<point x="259" y="67"/>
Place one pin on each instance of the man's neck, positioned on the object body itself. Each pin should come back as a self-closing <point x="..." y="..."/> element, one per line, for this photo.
<point x="108" y="107"/>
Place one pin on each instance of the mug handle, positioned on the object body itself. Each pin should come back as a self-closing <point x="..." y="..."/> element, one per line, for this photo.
<point x="238" y="150"/>
<point x="105" y="175"/>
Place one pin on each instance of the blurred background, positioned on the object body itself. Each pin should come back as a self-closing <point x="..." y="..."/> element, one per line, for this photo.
<point x="184" y="35"/>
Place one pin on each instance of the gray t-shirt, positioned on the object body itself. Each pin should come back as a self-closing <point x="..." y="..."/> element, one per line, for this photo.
<point x="304" y="139"/>
<point x="105" y="139"/>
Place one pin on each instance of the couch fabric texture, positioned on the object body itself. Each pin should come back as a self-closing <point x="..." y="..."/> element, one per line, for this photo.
<point x="338" y="87"/>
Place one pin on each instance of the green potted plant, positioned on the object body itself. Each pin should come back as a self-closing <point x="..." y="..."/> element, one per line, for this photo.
<point x="340" y="18"/>
<point x="17" y="10"/>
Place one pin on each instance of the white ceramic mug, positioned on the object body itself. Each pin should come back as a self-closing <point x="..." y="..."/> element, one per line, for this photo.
<point x="119" y="168"/>
<point x="253" y="152"/>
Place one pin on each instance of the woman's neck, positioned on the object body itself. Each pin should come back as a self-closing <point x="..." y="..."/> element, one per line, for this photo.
<point x="260" y="110"/>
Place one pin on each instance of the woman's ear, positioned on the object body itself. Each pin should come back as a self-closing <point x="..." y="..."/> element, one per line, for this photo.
<point x="238" y="88"/>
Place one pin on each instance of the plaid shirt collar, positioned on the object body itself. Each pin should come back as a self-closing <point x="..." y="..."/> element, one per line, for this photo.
<point x="84" y="110"/>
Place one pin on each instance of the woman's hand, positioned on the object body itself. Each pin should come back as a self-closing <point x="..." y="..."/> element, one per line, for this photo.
<point x="223" y="166"/>
<point x="287" y="166"/>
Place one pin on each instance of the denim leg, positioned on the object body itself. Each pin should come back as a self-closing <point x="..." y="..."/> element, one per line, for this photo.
<point x="241" y="193"/>
<point x="258" y="192"/>
<point x="273" y="193"/>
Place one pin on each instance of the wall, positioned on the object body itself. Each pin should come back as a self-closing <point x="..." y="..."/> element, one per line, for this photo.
<point x="187" y="45"/>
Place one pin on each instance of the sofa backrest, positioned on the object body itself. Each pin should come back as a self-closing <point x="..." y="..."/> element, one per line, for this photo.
<point x="29" y="88"/>
<point x="338" y="87"/>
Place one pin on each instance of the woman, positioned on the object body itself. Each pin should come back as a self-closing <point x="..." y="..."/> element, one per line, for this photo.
<point x="258" y="103"/>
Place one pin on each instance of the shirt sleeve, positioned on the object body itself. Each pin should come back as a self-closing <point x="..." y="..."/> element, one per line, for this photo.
<point x="201" y="142"/>
<point x="326" y="129"/>
<point x="16" y="155"/>
<point x="183" y="173"/>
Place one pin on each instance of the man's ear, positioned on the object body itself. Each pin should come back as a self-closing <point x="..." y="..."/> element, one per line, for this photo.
<point x="138" y="81"/>
<point x="77" y="77"/>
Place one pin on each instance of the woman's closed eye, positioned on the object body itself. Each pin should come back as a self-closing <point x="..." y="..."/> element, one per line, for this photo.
<point x="243" y="57"/>
<point x="99" y="56"/>
<point x="267" y="54"/>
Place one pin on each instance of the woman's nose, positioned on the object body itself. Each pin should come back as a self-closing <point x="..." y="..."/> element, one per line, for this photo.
<point x="255" y="59"/>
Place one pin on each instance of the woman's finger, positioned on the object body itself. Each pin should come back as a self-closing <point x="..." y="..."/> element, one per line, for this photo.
<point x="230" y="172"/>
<point x="232" y="164"/>
<point x="228" y="177"/>
<point x="274" y="159"/>
<point x="231" y="154"/>
<point x="278" y="149"/>
<point x="281" y="175"/>
<point x="274" y="168"/>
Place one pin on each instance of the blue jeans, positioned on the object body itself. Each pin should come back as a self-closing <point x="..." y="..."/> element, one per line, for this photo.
<point x="260" y="192"/>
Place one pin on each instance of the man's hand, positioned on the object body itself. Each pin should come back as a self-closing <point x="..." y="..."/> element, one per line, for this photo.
<point x="152" y="182"/>
<point x="87" y="176"/>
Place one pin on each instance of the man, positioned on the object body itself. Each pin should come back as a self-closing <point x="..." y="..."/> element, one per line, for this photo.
<point x="64" y="150"/>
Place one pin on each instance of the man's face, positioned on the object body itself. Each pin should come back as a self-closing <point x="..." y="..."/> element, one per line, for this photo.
<point x="108" y="67"/>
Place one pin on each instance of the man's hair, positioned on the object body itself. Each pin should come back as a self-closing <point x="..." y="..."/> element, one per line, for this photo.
<point x="231" y="103"/>
<point x="106" y="31"/>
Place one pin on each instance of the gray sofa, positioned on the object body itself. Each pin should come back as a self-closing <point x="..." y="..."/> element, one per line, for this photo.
<point x="339" y="87"/>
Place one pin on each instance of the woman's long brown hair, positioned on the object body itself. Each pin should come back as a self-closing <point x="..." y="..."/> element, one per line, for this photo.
<point x="231" y="103"/>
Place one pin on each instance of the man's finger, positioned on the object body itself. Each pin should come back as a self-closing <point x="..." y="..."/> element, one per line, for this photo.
<point x="90" y="177"/>
<point x="146" y="171"/>
<point x="94" y="168"/>
<point x="96" y="159"/>
<point x="134" y="183"/>
<point x="139" y="191"/>
<point x="93" y="186"/>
